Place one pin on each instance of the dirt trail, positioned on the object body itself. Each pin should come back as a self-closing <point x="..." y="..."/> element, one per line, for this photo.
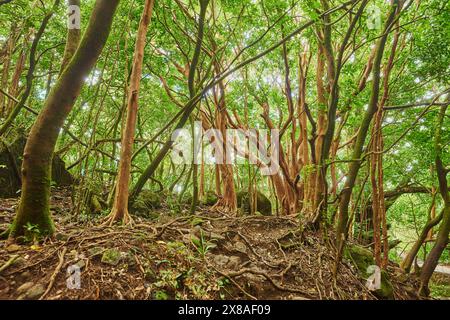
<point x="206" y="256"/>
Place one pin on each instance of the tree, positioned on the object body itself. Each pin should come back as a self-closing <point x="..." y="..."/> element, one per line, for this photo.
<point x="444" y="228"/>
<point x="37" y="158"/>
<point x="119" y="210"/>
<point x="341" y="230"/>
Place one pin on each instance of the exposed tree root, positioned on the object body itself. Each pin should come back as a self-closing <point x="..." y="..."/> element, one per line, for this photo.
<point x="118" y="216"/>
<point x="55" y="273"/>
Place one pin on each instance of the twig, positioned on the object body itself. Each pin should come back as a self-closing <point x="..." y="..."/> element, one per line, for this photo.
<point x="265" y="275"/>
<point x="255" y="253"/>
<point x="234" y="282"/>
<point x="8" y="263"/>
<point x="164" y="227"/>
<point x="55" y="273"/>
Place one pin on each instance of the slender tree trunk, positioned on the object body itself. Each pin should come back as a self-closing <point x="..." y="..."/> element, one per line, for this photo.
<point x="119" y="210"/>
<point x="409" y="259"/>
<point x="190" y="106"/>
<point x="6" y="65"/>
<point x="20" y="63"/>
<point x="442" y="236"/>
<point x="362" y="134"/>
<point x="30" y="74"/>
<point x="37" y="159"/>
<point x="72" y="41"/>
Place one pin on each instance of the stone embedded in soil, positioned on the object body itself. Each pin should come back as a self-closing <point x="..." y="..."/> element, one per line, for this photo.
<point x="13" y="248"/>
<point x="19" y="262"/>
<point x="111" y="257"/>
<point x="234" y="262"/>
<point x="24" y="276"/>
<point x="95" y="251"/>
<point x="81" y="264"/>
<point x="61" y="237"/>
<point x="240" y="246"/>
<point x="223" y="261"/>
<point x="24" y="287"/>
<point x="216" y="236"/>
<point x="35" y="292"/>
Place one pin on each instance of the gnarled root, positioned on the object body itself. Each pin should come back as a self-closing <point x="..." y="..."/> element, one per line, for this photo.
<point x="118" y="216"/>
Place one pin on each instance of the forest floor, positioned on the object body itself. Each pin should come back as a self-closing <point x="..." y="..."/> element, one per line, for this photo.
<point x="206" y="256"/>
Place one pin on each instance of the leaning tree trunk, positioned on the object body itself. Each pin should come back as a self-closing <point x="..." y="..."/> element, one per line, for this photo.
<point x="37" y="159"/>
<point x="341" y="232"/>
<point x="188" y="108"/>
<point x="442" y="237"/>
<point x="119" y="211"/>
<point x="409" y="259"/>
<point x="72" y="41"/>
<point x="33" y="59"/>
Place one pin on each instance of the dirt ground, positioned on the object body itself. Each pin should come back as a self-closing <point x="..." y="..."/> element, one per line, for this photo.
<point x="206" y="256"/>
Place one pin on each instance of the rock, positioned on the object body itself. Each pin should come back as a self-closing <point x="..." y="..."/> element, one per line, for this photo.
<point x="81" y="264"/>
<point x="111" y="257"/>
<point x="35" y="292"/>
<point x="19" y="262"/>
<point x="215" y="236"/>
<point x="13" y="248"/>
<point x="210" y="199"/>
<point x="263" y="204"/>
<point x="25" y="287"/>
<point x="234" y="262"/>
<point x="146" y="201"/>
<point x="95" y="251"/>
<point x="240" y="246"/>
<point x="221" y="260"/>
<point x="11" y="155"/>
<point x="24" y="276"/>
<point x="61" y="237"/>
<point x="363" y="260"/>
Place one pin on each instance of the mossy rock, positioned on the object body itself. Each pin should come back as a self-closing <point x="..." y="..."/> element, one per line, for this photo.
<point x="145" y="203"/>
<point x="111" y="257"/>
<point x="11" y="156"/>
<point x="209" y="199"/>
<point x="263" y="204"/>
<point x="362" y="259"/>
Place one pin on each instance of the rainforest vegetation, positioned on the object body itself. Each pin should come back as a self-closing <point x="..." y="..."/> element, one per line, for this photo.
<point x="347" y="102"/>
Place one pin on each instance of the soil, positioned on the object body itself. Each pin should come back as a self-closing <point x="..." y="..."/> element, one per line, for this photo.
<point x="205" y="256"/>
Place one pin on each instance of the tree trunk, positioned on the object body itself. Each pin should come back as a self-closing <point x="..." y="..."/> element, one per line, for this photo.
<point x="442" y="237"/>
<point x="408" y="261"/>
<point x="119" y="210"/>
<point x="36" y="167"/>
<point x="72" y="41"/>
<point x="188" y="108"/>
<point x="362" y="134"/>
<point x="30" y="74"/>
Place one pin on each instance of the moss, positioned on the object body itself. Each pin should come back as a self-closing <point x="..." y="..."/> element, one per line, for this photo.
<point x="34" y="207"/>
<point x="209" y="199"/>
<point x="146" y="202"/>
<point x="111" y="257"/>
<point x="263" y="204"/>
<point x="95" y="205"/>
<point x="362" y="259"/>
<point x="440" y="290"/>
